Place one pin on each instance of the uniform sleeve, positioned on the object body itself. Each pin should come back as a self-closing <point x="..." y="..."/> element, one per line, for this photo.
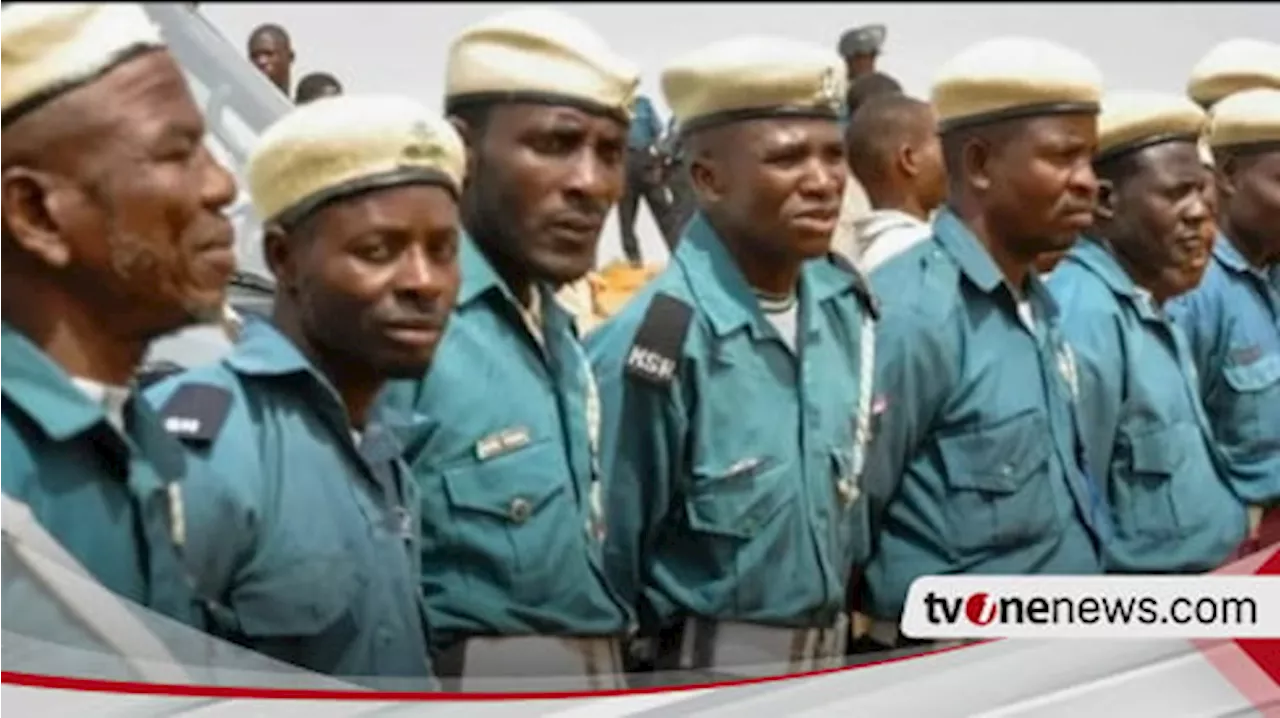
<point x="1098" y="344"/>
<point x="914" y="371"/>
<point x="222" y="523"/>
<point x="643" y="435"/>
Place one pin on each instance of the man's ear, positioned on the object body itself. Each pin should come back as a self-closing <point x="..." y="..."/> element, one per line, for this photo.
<point x="1105" y="208"/>
<point x="281" y="254"/>
<point x="469" y="141"/>
<point x="1224" y="176"/>
<point x="908" y="161"/>
<point x="34" y="210"/>
<point x="977" y="158"/>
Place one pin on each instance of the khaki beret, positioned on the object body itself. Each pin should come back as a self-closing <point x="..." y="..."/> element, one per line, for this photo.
<point x="1013" y="77"/>
<point x="1248" y="120"/>
<point x="1131" y="121"/>
<point x="753" y="77"/>
<point x="1232" y="66"/>
<point x="538" y="55"/>
<point x="50" y="48"/>
<point x="865" y="40"/>
<point x="338" y="146"/>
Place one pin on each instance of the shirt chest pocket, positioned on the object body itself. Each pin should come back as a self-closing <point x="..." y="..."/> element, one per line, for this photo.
<point x="300" y="609"/>
<point x="516" y="510"/>
<point x="738" y="501"/>
<point x="998" y="493"/>
<point x="1255" y="389"/>
<point x="1143" y="497"/>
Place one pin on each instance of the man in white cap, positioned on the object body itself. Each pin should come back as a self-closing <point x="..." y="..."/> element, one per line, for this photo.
<point x="113" y="236"/>
<point x="734" y="504"/>
<point x="302" y="517"/>
<point x="504" y="440"/>
<point x="1233" y="318"/>
<point x="976" y="448"/>
<point x="1231" y="66"/>
<point x="1146" y="435"/>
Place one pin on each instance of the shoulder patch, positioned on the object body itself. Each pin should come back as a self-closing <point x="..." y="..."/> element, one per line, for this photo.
<point x="196" y="412"/>
<point x="860" y="283"/>
<point x="654" y="356"/>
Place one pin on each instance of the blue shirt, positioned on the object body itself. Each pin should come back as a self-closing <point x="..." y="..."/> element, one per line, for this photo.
<point x="645" y="125"/>
<point x="1233" y="323"/>
<point x="499" y="437"/>
<point x="304" y="538"/>
<point x="976" y="449"/>
<point x="108" y="497"/>
<point x="733" y="488"/>
<point x="1146" y="434"/>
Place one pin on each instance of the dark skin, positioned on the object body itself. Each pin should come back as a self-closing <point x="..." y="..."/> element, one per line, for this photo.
<point x="901" y="168"/>
<point x="386" y="262"/>
<point x="861" y="64"/>
<point x="1155" y="219"/>
<point x="271" y="51"/>
<point x="113" y="220"/>
<point x="1249" y="192"/>
<point x="541" y="182"/>
<point x="772" y="188"/>
<point x="1025" y="187"/>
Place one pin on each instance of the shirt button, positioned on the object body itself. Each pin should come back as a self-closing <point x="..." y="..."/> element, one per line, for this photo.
<point x="519" y="509"/>
<point x="1007" y="470"/>
<point x="384" y="635"/>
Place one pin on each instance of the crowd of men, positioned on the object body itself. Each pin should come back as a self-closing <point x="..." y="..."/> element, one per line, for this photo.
<point x="417" y="468"/>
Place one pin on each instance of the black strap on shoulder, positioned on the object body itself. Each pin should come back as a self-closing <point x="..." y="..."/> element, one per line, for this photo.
<point x="655" y="354"/>
<point x="196" y="412"/>
<point x="860" y="283"/>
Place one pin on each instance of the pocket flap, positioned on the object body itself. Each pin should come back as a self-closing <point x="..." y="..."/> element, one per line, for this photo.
<point x="1158" y="451"/>
<point x="1255" y="376"/>
<point x="297" y="598"/>
<point x="512" y="486"/>
<point x="997" y="459"/>
<point x="738" y="503"/>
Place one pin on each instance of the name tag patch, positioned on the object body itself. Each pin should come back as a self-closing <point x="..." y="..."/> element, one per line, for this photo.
<point x="502" y="442"/>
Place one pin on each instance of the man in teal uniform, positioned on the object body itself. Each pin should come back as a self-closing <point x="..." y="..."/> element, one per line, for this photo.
<point x="302" y="515"/>
<point x="503" y="432"/>
<point x="975" y="449"/>
<point x="1233" y="318"/>
<point x="736" y="387"/>
<point x="113" y="236"/>
<point x="1146" y="435"/>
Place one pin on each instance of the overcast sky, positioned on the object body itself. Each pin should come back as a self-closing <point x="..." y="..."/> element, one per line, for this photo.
<point x="375" y="47"/>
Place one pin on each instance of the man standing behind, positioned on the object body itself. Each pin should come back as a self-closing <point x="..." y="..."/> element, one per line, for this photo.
<point x="976" y="452"/>
<point x="504" y="440"/>
<point x="113" y="236"/>
<point x="733" y="502"/>
<point x="315" y="85"/>
<point x="644" y="179"/>
<point x="271" y="51"/>
<point x="1233" y="318"/>
<point x="893" y="148"/>
<point x="1146" y="434"/>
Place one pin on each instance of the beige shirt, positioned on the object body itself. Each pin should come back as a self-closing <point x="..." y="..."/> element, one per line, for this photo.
<point x="854" y="206"/>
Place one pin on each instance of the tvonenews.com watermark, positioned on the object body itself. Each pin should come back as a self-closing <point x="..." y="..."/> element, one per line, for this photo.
<point x="1093" y="607"/>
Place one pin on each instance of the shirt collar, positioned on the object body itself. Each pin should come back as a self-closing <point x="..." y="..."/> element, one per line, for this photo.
<point x="976" y="263"/>
<point x="1226" y="252"/>
<point x="46" y="395"/>
<point x="721" y="290"/>
<point x="1098" y="259"/>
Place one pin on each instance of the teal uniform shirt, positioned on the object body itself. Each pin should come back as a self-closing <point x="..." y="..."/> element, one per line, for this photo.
<point x="1146" y="435"/>
<point x="305" y="538"/>
<point x="732" y="460"/>
<point x="1233" y="323"/>
<point x="109" y="498"/>
<point x="974" y="442"/>
<point x="645" y="127"/>
<point x="499" y="437"/>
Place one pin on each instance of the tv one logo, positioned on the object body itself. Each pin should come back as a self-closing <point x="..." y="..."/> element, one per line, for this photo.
<point x="979" y="608"/>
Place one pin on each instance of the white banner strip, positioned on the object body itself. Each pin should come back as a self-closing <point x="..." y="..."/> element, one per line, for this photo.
<point x="1093" y="607"/>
